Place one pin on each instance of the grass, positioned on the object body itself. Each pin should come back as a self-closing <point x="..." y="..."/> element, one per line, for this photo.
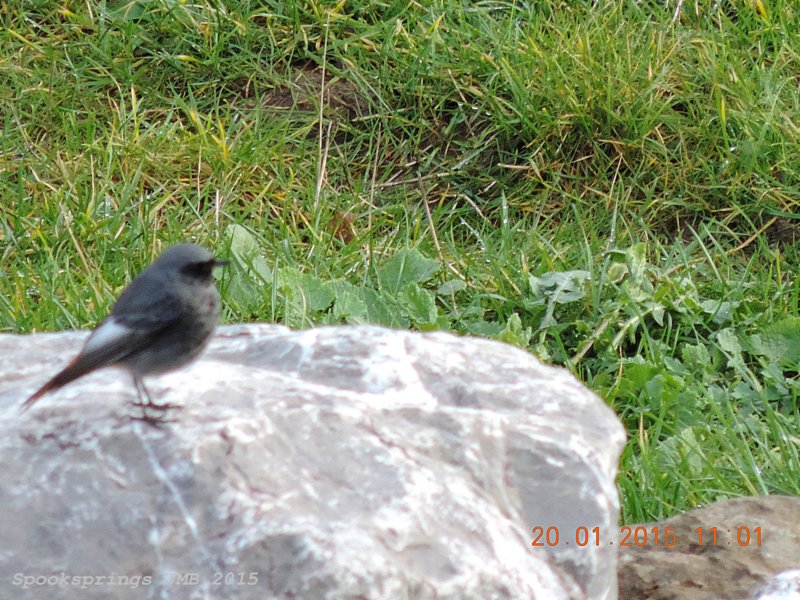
<point x="611" y="185"/>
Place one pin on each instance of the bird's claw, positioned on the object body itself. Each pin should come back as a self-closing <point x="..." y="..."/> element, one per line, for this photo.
<point x="148" y="404"/>
<point x="157" y="419"/>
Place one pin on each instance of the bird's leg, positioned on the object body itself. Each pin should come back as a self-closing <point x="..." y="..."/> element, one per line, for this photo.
<point x="145" y="401"/>
<point x="141" y="392"/>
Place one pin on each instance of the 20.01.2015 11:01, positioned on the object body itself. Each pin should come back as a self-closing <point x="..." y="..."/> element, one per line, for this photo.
<point x="640" y="536"/>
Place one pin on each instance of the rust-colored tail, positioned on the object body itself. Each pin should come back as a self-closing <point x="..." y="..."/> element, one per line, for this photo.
<point x="77" y="368"/>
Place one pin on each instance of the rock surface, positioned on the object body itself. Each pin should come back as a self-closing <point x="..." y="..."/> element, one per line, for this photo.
<point x="330" y="463"/>
<point x="734" y="567"/>
<point x="783" y="586"/>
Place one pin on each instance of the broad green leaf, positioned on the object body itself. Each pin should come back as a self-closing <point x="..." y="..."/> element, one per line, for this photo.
<point x="779" y="342"/>
<point x="409" y="265"/>
<point x="246" y="254"/>
<point x="127" y="11"/>
<point x="249" y="276"/>
<point x="484" y="328"/>
<point x="696" y="356"/>
<point x="451" y="286"/>
<point x="306" y="290"/>
<point x="348" y="302"/>
<point x="560" y="287"/>
<point x="419" y="304"/>
<point x="729" y="343"/>
<point x="657" y="312"/>
<point x="515" y="333"/>
<point x="636" y="373"/>
<point x="383" y="310"/>
<point x="617" y="271"/>
<point x="721" y="310"/>
<point x="683" y="451"/>
<point x="744" y="391"/>
<point x="637" y="261"/>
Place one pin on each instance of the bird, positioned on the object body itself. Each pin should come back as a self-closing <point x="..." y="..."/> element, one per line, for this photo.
<point x="162" y="320"/>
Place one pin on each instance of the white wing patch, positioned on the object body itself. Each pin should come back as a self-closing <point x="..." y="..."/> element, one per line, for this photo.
<point x="109" y="332"/>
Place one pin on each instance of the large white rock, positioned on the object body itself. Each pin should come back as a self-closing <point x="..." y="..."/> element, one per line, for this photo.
<point x="329" y="463"/>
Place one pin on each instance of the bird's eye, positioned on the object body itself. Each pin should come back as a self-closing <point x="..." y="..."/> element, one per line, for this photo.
<point x="198" y="269"/>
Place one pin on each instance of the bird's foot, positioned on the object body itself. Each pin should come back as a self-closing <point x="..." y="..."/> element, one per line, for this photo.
<point x="158" y="406"/>
<point x="154" y="414"/>
<point x="150" y="419"/>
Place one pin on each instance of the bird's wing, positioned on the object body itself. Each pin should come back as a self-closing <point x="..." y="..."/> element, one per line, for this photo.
<point x="112" y="341"/>
<point x="144" y="309"/>
<point x="140" y="314"/>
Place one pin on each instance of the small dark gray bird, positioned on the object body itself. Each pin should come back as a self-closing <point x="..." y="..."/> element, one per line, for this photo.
<point x="162" y="320"/>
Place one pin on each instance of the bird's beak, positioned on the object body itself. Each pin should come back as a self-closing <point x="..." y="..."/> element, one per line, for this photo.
<point x="218" y="262"/>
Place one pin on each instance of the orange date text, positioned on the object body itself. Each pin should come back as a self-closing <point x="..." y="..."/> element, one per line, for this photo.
<point x="641" y="536"/>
